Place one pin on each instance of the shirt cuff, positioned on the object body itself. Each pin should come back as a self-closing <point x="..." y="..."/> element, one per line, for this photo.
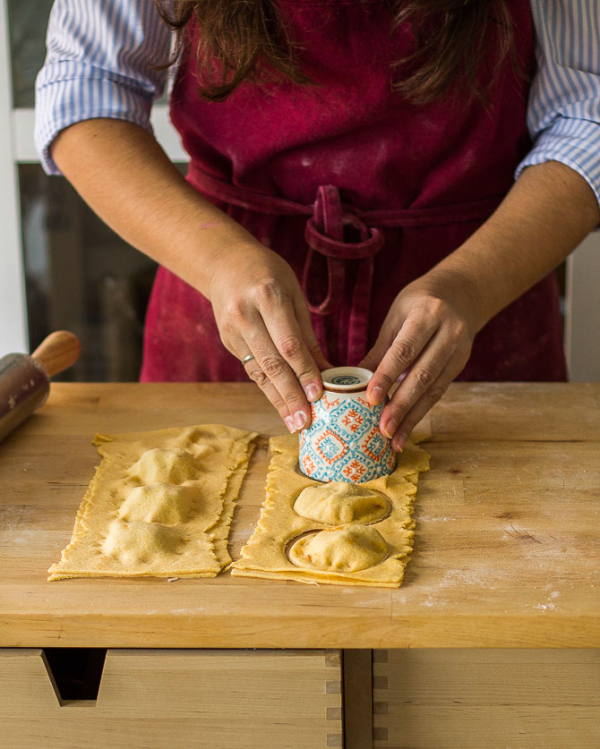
<point x="64" y="102"/>
<point x="574" y="142"/>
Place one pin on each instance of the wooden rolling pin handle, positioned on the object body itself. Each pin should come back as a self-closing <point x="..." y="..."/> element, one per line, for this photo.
<point x="57" y="352"/>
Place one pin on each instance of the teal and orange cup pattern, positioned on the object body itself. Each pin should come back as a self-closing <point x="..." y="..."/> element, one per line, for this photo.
<point x="343" y="442"/>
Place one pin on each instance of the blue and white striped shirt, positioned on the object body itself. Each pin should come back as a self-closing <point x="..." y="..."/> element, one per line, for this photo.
<point x="100" y="56"/>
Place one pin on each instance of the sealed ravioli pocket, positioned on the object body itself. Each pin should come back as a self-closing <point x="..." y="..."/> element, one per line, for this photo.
<point x="340" y="503"/>
<point x="339" y="549"/>
<point x="168" y="504"/>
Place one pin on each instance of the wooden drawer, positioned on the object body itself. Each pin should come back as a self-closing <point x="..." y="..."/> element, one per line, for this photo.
<point x="522" y="699"/>
<point x="178" y="698"/>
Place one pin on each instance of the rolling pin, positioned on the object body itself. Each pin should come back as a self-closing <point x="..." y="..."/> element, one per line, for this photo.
<point x="25" y="380"/>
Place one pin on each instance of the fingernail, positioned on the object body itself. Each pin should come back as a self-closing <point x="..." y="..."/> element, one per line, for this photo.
<point x="289" y="422"/>
<point x="389" y="428"/>
<point x="312" y="392"/>
<point x="376" y="395"/>
<point x="399" y="441"/>
<point x="299" y="419"/>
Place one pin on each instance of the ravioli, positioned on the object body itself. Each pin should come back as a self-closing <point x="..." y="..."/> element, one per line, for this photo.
<point x="340" y="503"/>
<point x="137" y="542"/>
<point x="164" y="465"/>
<point x="350" y="548"/>
<point x="168" y="504"/>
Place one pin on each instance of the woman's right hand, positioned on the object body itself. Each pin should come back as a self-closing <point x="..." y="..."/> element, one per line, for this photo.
<point x="260" y="309"/>
<point x="125" y="176"/>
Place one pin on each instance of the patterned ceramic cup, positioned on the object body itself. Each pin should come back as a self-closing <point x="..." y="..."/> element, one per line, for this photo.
<point x="343" y="442"/>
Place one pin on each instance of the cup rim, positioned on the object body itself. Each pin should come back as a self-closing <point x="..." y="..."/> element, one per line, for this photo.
<point x="363" y="375"/>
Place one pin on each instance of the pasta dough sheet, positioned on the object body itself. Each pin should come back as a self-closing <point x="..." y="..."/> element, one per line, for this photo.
<point x="160" y="504"/>
<point x="368" y="546"/>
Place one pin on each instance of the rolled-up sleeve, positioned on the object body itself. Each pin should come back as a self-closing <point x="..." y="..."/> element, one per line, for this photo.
<point x="564" y="103"/>
<point x="101" y="62"/>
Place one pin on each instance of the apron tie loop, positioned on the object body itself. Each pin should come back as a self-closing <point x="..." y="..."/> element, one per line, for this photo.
<point x="324" y="234"/>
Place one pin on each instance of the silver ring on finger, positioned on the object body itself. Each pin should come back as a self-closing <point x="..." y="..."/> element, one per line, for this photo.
<point x="246" y="359"/>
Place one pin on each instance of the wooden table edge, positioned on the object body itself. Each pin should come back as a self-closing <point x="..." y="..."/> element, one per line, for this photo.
<point x="167" y="632"/>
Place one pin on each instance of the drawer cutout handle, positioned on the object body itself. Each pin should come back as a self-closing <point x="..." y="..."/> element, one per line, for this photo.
<point x="75" y="674"/>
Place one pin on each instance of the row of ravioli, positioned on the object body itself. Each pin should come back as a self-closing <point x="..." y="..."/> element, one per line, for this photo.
<point x="350" y="543"/>
<point x="160" y="494"/>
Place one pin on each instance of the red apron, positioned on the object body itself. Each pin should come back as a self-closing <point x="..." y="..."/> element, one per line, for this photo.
<point x="359" y="190"/>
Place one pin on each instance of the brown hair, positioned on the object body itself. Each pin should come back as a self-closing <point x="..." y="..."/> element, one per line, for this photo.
<point x="246" y="40"/>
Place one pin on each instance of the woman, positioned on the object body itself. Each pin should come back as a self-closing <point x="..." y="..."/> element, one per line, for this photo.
<point x="350" y="197"/>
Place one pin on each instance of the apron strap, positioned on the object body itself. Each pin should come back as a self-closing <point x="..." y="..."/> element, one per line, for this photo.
<point x="325" y="235"/>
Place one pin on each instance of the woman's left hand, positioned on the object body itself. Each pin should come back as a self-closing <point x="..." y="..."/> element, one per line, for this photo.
<point x="429" y="331"/>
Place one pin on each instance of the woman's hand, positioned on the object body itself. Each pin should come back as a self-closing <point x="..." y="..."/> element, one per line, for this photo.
<point x="125" y="176"/>
<point x="428" y="331"/>
<point x="432" y="323"/>
<point x="260" y="309"/>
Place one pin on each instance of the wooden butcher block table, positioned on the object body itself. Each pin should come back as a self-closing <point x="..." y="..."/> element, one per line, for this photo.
<point x="506" y="555"/>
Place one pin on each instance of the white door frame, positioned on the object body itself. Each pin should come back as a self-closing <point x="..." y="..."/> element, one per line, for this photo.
<point x="582" y="313"/>
<point x="13" y="315"/>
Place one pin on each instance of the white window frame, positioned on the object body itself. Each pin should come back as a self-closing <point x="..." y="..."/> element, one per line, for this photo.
<point x="582" y="312"/>
<point x="13" y="320"/>
<point x="17" y="147"/>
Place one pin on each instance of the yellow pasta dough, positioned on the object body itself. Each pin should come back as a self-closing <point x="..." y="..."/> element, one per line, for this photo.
<point x="339" y="503"/>
<point x="160" y="504"/>
<point x="160" y="464"/>
<point x="342" y="534"/>
<point x="347" y="549"/>
<point x="136" y="542"/>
